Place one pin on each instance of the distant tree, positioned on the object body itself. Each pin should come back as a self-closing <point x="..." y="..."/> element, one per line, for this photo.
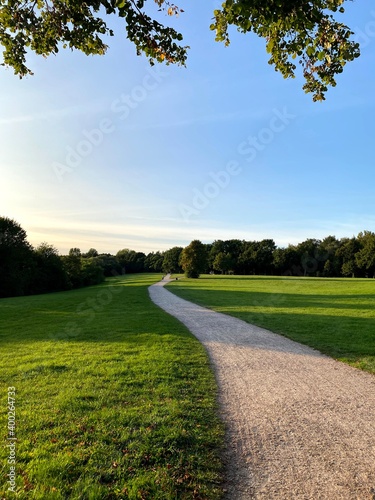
<point x="327" y="253"/>
<point x="75" y="252"/>
<point x="50" y="273"/>
<point x="287" y="261"/>
<point x="82" y="271"/>
<point x="171" y="260"/>
<point x="218" y="246"/>
<point x="223" y="262"/>
<point x="207" y="248"/>
<point x="139" y="262"/>
<point x="346" y="254"/>
<point x="91" y="272"/>
<point x="73" y="266"/>
<point x="365" y="257"/>
<point x="328" y="269"/>
<point x="308" y="251"/>
<point x="257" y="257"/>
<point x="247" y="259"/>
<point x="233" y="247"/>
<point x="154" y="262"/>
<point x="91" y="253"/>
<point x="264" y="256"/>
<point x="305" y="31"/>
<point x="329" y="245"/>
<point x="280" y="260"/>
<point x="17" y="264"/>
<point x="123" y="257"/>
<point x="109" y="264"/>
<point x="193" y="259"/>
<point x="131" y="261"/>
<point x="349" y="268"/>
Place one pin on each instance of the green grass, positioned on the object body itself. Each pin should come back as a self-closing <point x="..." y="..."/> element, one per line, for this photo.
<point x="335" y="316"/>
<point x="115" y="399"/>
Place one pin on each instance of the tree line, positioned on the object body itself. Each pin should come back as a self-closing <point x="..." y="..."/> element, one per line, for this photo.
<point x="329" y="257"/>
<point x="25" y="270"/>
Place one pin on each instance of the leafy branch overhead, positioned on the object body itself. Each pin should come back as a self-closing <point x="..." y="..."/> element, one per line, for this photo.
<point x="46" y="26"/>
<point x="303" y="31"/>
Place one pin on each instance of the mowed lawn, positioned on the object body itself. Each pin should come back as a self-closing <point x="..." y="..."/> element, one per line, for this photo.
<point x="335" y="316"/>
<point x="115" y="399"/>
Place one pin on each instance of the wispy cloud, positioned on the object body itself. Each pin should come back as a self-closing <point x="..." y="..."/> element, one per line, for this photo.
<point x="197" y="120"/>
<point x="55" y="114"/>
<point x="160" y="233"/>
<point x="141" y="233"/>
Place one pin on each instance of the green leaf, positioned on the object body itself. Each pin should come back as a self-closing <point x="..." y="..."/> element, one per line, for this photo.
<point x="310" y="50"/>
<point x="321" y="55"/>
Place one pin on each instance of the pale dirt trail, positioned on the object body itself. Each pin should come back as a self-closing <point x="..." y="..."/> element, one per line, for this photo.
<point x="299" y="424"/>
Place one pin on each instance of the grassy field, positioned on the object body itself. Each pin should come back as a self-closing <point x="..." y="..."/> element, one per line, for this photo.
<point x="114" y="398"/>
<point x="335" y="316"/>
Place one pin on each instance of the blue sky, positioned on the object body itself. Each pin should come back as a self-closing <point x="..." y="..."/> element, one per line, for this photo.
<point x="106" y="152"/>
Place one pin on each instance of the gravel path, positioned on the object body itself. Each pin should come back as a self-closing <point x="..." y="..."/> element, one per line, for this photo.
<point x="299" y="424"/>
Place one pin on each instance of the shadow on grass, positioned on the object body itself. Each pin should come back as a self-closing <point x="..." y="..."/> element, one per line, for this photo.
<point x="283" y="300"/>
<point x="120" y="311"/>
<point x="254" y="277"/>
<point x="332" y="324"/>
<point x="108" y="312"/>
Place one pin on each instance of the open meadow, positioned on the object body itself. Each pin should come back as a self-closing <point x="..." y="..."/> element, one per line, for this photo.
<point x="334" y="315"/>
<point x="114" y="398"/>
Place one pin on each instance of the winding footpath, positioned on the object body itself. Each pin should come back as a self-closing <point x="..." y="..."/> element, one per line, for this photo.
<point x="299" y="424"/>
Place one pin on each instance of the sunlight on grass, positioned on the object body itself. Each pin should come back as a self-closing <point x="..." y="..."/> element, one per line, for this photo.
<point x="335" y="316"/>
<point x="115" y="398"/>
